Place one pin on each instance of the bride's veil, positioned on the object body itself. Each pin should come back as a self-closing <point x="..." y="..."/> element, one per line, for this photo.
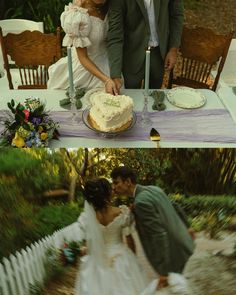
<point x="93" y="269"/>
<point x="94" y="236"/>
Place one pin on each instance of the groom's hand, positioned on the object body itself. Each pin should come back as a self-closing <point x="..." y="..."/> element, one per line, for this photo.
<point x="118" y="83"/>
<point x="163" y="282"/>
<point x="192" y="233"/>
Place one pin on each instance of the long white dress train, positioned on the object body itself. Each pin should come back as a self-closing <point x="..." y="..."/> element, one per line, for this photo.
<point x="110" y="267"/>
<point x="82" y="30"/>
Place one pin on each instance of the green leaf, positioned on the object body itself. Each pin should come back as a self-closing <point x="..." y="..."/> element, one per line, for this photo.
<point x="19" y="117"/>
<point x="64" y="102"/>
<point x="78" y="104"/>
<point x="26" y="126"/>
<point x="79" y="92"/>
<point x="38" y="112"/>
<point x="13" y="126"/>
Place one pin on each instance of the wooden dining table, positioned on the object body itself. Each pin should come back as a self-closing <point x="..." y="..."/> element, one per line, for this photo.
<point x="212" y="125"/>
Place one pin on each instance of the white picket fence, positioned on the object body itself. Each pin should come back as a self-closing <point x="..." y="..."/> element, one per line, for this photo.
<point x="26" y="267"/>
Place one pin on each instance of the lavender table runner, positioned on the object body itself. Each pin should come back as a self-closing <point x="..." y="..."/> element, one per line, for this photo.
<point x="213" y="125"/>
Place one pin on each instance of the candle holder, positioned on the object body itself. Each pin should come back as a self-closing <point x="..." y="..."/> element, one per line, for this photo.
<point x="73" y="109"/>
<point x="145" y="118"/>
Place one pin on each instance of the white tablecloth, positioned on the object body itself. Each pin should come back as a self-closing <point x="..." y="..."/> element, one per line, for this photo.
<point x="52" y="97"/>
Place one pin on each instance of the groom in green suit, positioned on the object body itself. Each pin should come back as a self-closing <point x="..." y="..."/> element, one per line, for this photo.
<point x="165" y="238"/>
<point x="135" y="25"/>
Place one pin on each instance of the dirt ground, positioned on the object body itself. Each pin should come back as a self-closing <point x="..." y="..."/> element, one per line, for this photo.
<point x="217" y="15"/>
<point x="209" y="271"/>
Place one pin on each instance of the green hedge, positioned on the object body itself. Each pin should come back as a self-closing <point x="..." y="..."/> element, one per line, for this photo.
<point x="29" y="223"/>
<point x="209" y="213"/>
<point x="197" y="205"/>
<point x="56" y="216"/>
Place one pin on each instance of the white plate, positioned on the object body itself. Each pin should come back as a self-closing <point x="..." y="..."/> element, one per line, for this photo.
<point x="186" y="98"/>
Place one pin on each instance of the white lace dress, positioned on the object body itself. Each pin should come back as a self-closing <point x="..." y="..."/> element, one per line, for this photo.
<point x="82" y="30"/>
<point x="122" y="274"/>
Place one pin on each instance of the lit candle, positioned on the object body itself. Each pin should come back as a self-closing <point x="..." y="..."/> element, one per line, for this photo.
<point x="70" y="70"/>
<point x="147" y="71"/>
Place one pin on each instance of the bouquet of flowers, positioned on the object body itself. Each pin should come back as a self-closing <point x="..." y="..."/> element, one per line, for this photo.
<point x="71" y="251"/>
<point x="28" y="125"/>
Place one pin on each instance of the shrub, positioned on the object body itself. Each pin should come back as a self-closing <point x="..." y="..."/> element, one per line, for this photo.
<point x="209" y="213"/>
<point x="18" y="225"/>
<point x="198" y="205"/>
<point x="56" y="216"/>
<point x="23" y="223"/>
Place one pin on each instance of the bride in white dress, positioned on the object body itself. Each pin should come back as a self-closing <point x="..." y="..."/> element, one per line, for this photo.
<point x="110" y="267"/>
<point x="85" y="24"/>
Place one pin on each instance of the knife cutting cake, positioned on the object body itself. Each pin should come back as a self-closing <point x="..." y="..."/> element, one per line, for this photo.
<point x="110" y="113"/>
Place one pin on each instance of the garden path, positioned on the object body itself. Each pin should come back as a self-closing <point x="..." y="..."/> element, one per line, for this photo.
<point x="207" y="269"/>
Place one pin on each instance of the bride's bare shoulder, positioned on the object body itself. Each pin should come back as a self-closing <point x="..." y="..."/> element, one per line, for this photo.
<point x="79" y="3"/>
<point x="116" y="211"/>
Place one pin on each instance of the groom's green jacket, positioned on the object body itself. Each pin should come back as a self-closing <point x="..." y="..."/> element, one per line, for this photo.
<point x="164" y="236"/>
<point x="129" y="32"/>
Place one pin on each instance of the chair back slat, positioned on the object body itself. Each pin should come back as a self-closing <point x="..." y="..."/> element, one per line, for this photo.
<point x="200" y="51"/>
<point x="33" y="52"/>
<point x="199" y="71"/>
<point x="25" y="77"/>
<point x="30" y="76"/>
<point x="40" y="74"/>
<point x="21" y="76"/>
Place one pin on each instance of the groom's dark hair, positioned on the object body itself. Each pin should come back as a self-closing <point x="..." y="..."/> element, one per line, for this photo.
<point x="124" y="173"/>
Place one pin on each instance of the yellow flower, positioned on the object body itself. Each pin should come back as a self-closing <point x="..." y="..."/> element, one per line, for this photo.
<point x="44" y="135"/>
<point x="31" y="126"/>
<point x="18" y="141"/>
<point x="22" y="132"/>
<point x="40" y="129"/>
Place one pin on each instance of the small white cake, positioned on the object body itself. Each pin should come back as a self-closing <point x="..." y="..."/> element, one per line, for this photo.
<point x="110" y="113"/>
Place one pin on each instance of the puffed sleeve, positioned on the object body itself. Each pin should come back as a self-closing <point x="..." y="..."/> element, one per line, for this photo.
<point x="128" y="220"/>
<point x="76" y="23"/>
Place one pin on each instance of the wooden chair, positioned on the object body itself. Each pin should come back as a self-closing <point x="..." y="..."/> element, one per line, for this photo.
<point x="201" y="50"/>
<point x="33" y="52"/>
<point x="17" y="26"/>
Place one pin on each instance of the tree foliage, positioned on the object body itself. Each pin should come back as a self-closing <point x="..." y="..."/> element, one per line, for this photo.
<point x="17" y="220"/>
<point x="44" y="10"/>
<point x="189" y="171"/>
<point x="31" y="171"/>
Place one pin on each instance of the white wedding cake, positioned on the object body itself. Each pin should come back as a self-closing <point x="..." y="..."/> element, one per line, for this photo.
<point x="110" y="113"/>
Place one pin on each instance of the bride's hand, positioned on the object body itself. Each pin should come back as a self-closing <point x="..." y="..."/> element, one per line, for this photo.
<point x="83" y="251"/>
<point x="111" y="87"/>
<point x="163" y="282"/>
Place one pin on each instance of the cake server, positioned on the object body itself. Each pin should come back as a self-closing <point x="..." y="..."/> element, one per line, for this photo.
<point x="155" y="136"/>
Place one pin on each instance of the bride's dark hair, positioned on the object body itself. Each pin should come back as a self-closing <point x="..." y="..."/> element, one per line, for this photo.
<point x="97" y="192"/>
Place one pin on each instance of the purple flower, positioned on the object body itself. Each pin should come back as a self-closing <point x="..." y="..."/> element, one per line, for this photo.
<point x="29" y="143"/>
<point x="36" y="121"/>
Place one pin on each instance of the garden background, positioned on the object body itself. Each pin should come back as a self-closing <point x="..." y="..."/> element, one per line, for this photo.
<point x="41" y="192"/>
<point x="215" y="14"/>
<point x="40" y="189"/>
